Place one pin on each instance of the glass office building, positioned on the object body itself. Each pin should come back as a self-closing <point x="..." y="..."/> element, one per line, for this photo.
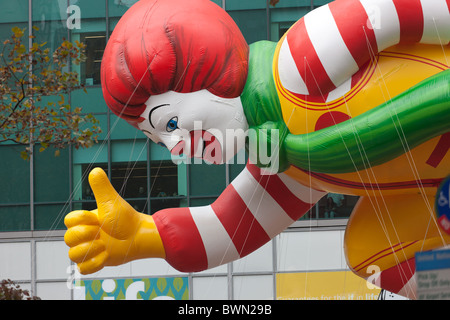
<point x="35" y="195"/>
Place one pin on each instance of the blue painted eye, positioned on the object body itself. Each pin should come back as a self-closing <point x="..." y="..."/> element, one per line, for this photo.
<point x="162" y="144"/>
<point x="172" y="124"/>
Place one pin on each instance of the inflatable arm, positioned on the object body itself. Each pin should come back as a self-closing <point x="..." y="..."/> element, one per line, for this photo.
<point x="377" y="131"/>
<point x="327" y="46"/>
<point x="252" y="210"/>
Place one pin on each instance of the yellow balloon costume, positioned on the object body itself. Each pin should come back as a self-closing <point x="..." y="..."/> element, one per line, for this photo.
<point x="394" y="217"/>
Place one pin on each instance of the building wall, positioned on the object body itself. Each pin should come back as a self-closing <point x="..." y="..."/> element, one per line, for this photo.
<point x="39" y="261"/>
<point x="40" y="192"/>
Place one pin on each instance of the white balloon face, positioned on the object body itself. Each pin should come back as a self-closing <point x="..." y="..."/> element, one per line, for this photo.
<point x="197" y="124"/>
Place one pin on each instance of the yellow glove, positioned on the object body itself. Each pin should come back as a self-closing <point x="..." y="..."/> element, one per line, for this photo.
<point x="112" y="234"/>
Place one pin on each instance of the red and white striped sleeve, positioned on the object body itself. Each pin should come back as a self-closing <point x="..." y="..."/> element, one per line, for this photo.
<point x="328" y="45"/>
<point x="251" y="211"/>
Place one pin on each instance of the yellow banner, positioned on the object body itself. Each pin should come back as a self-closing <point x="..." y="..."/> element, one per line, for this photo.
<point x="336" y="285"/>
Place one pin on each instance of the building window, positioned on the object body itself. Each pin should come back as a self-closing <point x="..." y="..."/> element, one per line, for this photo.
<point x="163" y="179"/>
<point x="130" y="181"/>
<point x="95" y="45"/>
<point x="165" y="190"/>
<point x="336" y="206"/>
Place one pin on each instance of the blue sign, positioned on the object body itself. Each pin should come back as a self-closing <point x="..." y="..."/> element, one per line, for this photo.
<point x="443" y="205"/>
<point x="433" y="260"/>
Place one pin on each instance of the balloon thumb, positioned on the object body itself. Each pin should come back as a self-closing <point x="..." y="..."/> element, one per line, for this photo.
<point x="103" y="190"/>
<point x="116" y="215"/>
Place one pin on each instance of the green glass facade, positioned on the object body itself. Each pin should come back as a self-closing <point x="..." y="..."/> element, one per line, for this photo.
<point x="37" y="194"/>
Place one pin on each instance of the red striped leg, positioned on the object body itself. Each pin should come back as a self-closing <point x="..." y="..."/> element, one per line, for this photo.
<point x="252" y="210"/>
<point x="324" y="49"/>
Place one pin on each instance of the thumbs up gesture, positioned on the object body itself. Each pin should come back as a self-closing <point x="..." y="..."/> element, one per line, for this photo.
<point x="112" y="234"/>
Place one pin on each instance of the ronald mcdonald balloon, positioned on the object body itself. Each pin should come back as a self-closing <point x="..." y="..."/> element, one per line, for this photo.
<point x="353" y="102"/>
